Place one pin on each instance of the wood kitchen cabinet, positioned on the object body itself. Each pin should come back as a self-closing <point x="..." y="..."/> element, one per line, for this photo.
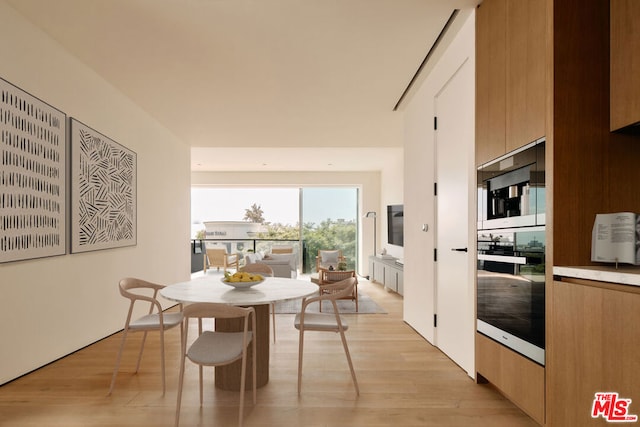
<point x="591" y="342"/>
<point x="525" y="75"/>
<point x="510" y="113"/>
<point x="517" y="377"/>
<point x="490" y="80"/>
<point x="510" y="76"/>
<point x="625" y="63"/>
<point x="594" y="346"/>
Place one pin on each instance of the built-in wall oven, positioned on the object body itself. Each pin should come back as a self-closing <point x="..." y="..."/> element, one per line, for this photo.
<point x="511" y="251"/>
<point x="510" y="306"/>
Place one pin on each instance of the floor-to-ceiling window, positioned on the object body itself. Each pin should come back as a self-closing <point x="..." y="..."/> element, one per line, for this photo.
<point x="275" y="207"/>
<point x="329" y="221"/>
<point x="318" y="217"/>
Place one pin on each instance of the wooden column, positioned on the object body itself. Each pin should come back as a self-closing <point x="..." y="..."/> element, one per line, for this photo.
<point x="228" y="377"/>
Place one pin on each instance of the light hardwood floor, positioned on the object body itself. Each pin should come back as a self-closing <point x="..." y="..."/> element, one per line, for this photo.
<point x="404" y="381"/>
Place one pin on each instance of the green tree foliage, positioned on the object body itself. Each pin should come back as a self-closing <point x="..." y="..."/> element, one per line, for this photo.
<point x="254" y="214"/>
<point x="276" y="232"/>
<point x="330" y="235"/>
<point x="327" y="235"/>
<point x="280" y="231"/>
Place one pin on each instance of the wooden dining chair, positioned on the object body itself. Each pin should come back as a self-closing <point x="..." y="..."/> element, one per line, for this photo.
<point x="328" y="277"/>
<point x="137" y="291"/>
<point x="213" y="348"/>
<point x="325" y="322"/>
<point x="265" y="270"/>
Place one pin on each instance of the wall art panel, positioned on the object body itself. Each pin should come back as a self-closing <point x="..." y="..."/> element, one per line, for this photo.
<point x="103" y="191"/>
<point x="32" y="176"/>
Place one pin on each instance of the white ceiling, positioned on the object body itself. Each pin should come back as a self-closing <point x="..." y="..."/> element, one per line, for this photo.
<point x="318" y="79"/>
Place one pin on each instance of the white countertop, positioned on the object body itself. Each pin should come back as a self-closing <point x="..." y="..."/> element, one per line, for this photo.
<point x="623" y="275"/>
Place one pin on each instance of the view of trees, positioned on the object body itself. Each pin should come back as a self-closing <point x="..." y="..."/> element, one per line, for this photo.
<point x="254" y="214"/>
<point x="330" y="235"/>
<point x="326" y="235"/>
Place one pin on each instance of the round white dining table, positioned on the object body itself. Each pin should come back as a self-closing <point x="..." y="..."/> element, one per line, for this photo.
<point x="209" y="288"/>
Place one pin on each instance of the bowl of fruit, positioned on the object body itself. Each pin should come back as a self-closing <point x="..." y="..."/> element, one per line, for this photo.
<point x="242" y="279"/>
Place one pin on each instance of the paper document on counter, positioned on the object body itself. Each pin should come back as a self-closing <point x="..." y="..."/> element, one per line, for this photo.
<point x="615" y="238"/>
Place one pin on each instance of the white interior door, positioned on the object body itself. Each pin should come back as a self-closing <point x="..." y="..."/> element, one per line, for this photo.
<point x="454" y="106"/>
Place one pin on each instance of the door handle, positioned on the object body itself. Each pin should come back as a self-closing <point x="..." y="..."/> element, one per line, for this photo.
<point x="459" y="249"/>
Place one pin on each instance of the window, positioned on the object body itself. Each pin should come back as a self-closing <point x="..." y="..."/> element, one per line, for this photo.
<point x="320" y="217"/>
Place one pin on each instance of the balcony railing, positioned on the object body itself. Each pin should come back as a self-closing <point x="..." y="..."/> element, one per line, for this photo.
<point x="244" y="246"/>
<point x="305" y="251"/>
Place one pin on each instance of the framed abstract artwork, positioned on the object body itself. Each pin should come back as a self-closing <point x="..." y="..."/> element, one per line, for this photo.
<point x="103" y="191"/>
<point x="33" y="156"/>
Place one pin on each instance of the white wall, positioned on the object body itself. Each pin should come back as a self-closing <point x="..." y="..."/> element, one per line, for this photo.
<point x="391" y="193"/>
<point x="54" y="306"/>
<point x="419" y="178"/>
<point x="368" y="182"/>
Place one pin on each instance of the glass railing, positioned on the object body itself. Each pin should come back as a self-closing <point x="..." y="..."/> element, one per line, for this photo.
<point x="304" y="251"/>
<point x="243" y="247"/>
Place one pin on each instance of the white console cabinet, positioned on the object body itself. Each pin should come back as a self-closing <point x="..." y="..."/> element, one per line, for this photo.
<point x="387" y="272"/>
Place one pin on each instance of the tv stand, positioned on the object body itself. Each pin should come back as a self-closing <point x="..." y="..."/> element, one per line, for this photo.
<point x="387" y="272"/>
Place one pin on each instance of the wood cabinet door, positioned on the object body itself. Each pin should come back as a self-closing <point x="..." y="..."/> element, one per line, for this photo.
<point x="625" y="63"/>
<point x="525" y="72"/>
<point x="520" y="379"/>
<point x="490" y="80"/>
<point x="482" y="84"/>
<point x="593" y="347"/>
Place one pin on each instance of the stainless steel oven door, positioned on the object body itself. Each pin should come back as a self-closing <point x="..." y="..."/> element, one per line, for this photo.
<point x="510" y="290"/>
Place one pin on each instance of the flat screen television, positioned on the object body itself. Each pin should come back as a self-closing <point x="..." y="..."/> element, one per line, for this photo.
<point x="395" y="225"/>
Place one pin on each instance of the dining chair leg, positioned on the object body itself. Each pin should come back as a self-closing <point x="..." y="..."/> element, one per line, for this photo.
<point x="144" y="339"/>
<point x="180" y="383"/>
<point x="243" y="378"/>
<point x="300" y="350"/>
<point x="201" y="380"/>
<point x="200" y="373"/>
<point x="118" y="359"/>
<point x="164" y="378"/>
<point x="356" y="294"/>
<point x="273" y="314"/>
<point x="255" y="369"/>
<point x="353" y="372"/>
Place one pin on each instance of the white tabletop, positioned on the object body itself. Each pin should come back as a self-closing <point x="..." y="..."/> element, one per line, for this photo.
<point x="211" y="289"/>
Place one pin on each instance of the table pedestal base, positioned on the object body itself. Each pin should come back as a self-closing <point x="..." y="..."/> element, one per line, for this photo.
<point x="228" y="377"/>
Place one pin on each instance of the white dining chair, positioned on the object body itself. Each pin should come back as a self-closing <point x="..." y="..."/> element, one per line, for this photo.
<point x="213" y="348"/>
<point x="326" y="322"/>
<point x="136" y="291"/>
